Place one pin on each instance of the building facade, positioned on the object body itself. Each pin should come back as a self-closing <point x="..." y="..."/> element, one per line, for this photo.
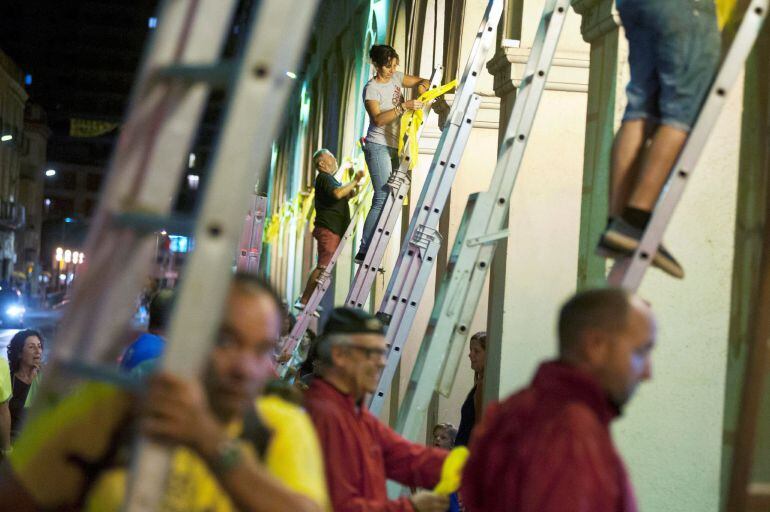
<point x="13" y="98"/>
<point x="677" y="434"/>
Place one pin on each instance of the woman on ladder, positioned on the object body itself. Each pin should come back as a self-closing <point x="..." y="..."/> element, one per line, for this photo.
<point x="384" y="102"/>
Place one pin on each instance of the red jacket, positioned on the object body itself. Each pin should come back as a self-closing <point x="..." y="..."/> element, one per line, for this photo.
<point x="360" y="453"/>
<point x="548" y="449"/>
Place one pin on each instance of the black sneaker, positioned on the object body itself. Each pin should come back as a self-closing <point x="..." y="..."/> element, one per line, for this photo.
<point x="621" y="239"/>
<point x="360" y="256"/>
<point x="301" y="307"/>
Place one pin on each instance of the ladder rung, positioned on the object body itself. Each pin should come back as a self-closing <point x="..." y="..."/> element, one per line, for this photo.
<point x="759" y="497"/>
<point x="217" y="75"/>
<point x="101" y="372"/>
<point x="150" y="222"/>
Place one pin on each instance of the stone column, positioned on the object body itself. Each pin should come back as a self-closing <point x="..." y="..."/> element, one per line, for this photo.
<point x="608" y="75"/>
<point x="531" y="272"/>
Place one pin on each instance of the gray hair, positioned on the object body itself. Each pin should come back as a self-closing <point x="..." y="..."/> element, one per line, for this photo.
<point x="324" y="350"/>
<point x="318" y="154"/>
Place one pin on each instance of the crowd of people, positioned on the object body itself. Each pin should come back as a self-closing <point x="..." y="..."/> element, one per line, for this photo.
<point x="243" y="442"/>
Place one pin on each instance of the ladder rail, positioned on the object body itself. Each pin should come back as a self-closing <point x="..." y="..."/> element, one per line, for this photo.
<point x="260" y="91"/>
<point x="185" y="35"/>
<point x="442" y="171"/>
<point x="251" y="237"/>
<point x="423" y="240"/>
<point x="399" y="182"/>
<point x="482" y="227"/>
<point x="629" y="272"/>
<point x="402" y="302"/>
<point x="745" y="495"/>
<point x="324" y="281"/>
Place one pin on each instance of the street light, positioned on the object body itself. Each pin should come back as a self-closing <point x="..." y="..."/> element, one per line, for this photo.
<point x="6" y="138"/>
<point x="50" y="173"/>
<point x="59" y="254"/>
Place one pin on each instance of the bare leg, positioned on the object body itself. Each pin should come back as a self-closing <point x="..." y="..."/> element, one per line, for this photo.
<point x="312" y="282"/>
<point x="627" y="154"/>
<point x="666" y="145"/>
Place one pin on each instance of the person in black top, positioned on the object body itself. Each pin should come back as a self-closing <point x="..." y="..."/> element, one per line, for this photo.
<point x="332" y="214"/>
<point x="470" y="414"/>
<point x="25" y="352"/>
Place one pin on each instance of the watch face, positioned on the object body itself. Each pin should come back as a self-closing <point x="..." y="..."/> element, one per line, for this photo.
<point x="228" y="455"/>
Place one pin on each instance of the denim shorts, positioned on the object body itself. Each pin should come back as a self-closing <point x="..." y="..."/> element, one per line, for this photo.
<point x="675" y="48"/>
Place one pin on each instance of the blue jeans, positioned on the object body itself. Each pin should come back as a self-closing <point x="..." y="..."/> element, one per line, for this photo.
<point x="675" y="48"/>
<point x="382" y="161"/>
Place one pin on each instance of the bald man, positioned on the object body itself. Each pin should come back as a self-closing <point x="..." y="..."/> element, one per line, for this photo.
<point x="548" y="447"/>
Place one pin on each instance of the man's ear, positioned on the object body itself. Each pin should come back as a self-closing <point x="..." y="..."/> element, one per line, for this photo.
<point x="339" y="354"/>
<point x="594" y="347"/>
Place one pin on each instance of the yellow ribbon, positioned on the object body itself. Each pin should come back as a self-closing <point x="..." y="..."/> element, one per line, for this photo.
<point x="413" y="119"/>
<point x="726" y="12"/>
<point x="451" y="471"/>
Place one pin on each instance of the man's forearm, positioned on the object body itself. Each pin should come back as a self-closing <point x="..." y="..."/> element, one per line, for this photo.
<point x="345" y="190"/>
<point x="5" y="426"/>
<point x="251" y="487"/>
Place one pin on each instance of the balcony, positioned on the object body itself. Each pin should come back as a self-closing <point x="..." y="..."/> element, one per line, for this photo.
<point x="12" y="215"/>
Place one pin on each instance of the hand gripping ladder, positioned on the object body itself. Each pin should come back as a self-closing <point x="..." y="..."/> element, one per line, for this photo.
<point x="399" y="183"/>
<point x="251" y="237"/>
<point x="628" y="272"/>
<point x="259" y="90"/>
<point x="180" y="66"/>
<point x="415" y="261"/>
<point x="324" y="280"/>
<point x="481" y="228"/>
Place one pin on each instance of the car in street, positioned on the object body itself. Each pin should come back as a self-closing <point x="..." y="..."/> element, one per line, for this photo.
<point x="11" y="308"/>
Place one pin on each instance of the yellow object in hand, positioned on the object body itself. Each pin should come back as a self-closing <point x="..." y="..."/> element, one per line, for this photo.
<point x="413" y="119"/>
<point x="452" y="470"/>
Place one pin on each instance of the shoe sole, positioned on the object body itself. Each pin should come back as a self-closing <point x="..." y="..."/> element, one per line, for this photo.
<point x="629" y="244"/>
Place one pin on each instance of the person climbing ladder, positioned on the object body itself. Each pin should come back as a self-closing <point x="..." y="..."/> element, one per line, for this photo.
<point x="675" y="48"/>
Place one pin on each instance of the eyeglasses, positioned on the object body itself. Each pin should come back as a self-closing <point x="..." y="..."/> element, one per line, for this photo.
<point x="370" y="351"/>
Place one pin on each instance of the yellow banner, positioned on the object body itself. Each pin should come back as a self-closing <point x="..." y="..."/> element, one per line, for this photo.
<point x="90" y="128"/>
<point x="726" y="11"/>
<point x="413" y="119"/>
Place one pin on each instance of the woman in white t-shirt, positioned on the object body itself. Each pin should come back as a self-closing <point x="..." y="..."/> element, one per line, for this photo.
<point x="384" y="102"/>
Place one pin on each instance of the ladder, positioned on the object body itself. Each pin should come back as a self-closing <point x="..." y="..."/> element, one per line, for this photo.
<point x="259" y="90"/>
<point x="251" y="237"/>
<point x="181" y="65"/>
<point x="482" y="226"/>
<point x="628" y="272"/>
<point x="416" y="259"/>
<point x="399" y="183"/>
<point x="746" y="493"/>
<point x="292" y="343"/>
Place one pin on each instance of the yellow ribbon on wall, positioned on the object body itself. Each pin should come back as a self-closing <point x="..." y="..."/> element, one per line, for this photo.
<point x="413" y="119"/>
<point x="726" y="12"/>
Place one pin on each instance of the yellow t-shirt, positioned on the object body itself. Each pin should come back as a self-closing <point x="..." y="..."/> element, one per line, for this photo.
<point x="5" y="381"/>
<point x="84" y="426"/>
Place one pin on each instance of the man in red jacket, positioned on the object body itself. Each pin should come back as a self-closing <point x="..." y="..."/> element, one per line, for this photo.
<point x="360" y="453"/>
<point x="548" y="447"/>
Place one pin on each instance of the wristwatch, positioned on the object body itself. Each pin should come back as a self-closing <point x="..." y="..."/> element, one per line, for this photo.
<point x="229" y="455"/>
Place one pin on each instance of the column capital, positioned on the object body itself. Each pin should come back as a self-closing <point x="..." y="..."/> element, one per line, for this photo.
<point x="569" y="70"/>
<point x="600" y="17"/>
